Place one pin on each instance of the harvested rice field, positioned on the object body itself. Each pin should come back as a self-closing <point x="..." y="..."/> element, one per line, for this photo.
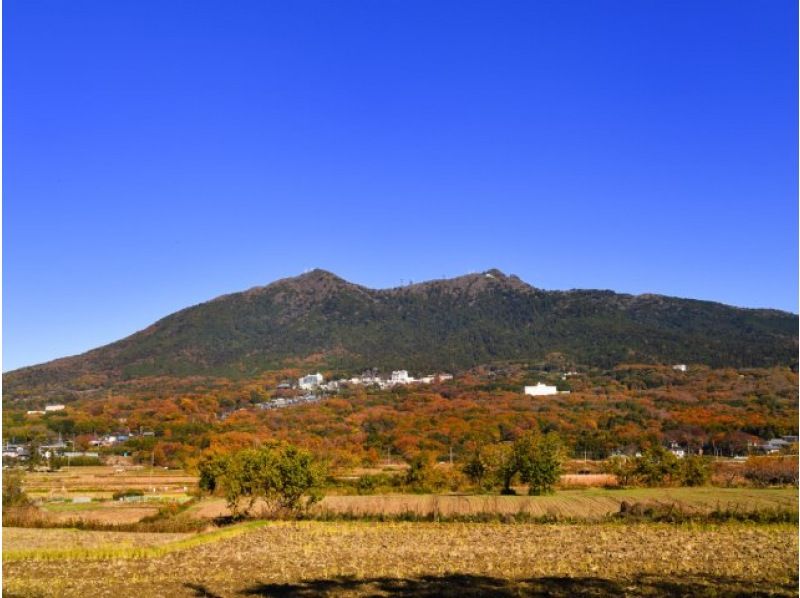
<point x="591" y="503"/>
<point x="422" y="559"/>
<point x="32" y="539"/>
<point x="102" y="481"/>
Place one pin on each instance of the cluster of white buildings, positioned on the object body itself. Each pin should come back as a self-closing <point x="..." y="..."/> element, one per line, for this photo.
<point x="314" y="386"/>
<point x="311" y="381"/>
<point x="58" y="448"/>
<point x="281" y="402"/>
<point x="110" y="439"/>
<point x="16" y="451"/>
<point x="47" y="409"/>
<point x="317" y="381"/>
<point x="398" y="377"/>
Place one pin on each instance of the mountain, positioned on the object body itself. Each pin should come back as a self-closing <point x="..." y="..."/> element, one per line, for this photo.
<point x="319" y="319"/>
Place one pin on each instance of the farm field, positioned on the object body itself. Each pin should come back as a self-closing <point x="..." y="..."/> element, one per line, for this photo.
<point x="579" y="504"/>
<point x="103" y="481"/>
<point x="55" y="491"/>
<point x="427" y="559"/>
<point x="31" y="539"/>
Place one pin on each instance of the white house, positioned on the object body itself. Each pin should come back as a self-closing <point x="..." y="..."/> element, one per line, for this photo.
<point x="435" y="378"/>
<point x="54" y="407"/>
<point x="774" y="446"/>
<point x="680" y="367"/>
<point x="15" y="451"/>
<point x="311" y="381"/>
<point x="540" y="390"/>
<point x="400" y="377"/>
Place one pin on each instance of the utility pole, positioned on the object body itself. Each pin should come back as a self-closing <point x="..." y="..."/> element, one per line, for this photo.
<point x="152" y="463"/>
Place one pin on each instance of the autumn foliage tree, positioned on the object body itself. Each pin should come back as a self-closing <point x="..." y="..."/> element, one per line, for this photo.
<point x="772" y="471"/>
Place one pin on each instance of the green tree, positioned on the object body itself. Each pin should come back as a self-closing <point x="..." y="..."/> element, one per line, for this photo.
<point x="538" y="459"/>
<point x="694" y="471"/>
<point x="422" y="474"/>
<point x="299" y="475"/>
<point x="476" y="468"/>
<point x="283" y="476"/>
<point x="35" y="458"/>
<point x="657" y="466"/>
<point x="624" y="468"/>
<point x="211" y="469"/>
<point x="499" y="459"/>
<point x="13" y="491"/>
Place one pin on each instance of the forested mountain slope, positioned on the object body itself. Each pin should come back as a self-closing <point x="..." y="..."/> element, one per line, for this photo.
<point x="322" y="320"/>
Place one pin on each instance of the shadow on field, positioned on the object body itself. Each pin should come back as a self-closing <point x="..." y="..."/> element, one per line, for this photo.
<point x="201" y="590"/>
<point x="469" y="586"/>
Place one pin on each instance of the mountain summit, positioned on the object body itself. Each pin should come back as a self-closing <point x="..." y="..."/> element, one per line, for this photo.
<point x="320" y="318"/>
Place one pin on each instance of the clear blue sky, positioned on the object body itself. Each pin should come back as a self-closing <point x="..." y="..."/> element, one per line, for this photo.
<point x="158" y="154"/>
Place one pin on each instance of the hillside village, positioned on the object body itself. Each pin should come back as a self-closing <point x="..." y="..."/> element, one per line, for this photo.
<point x="369" y="378"/>
<point x="312" y="388"/>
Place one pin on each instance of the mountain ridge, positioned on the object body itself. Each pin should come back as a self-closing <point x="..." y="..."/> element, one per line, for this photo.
<point x="447" y="323"/>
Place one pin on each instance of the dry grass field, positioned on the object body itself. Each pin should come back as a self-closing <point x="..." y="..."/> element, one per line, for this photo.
<point x="425" y="559"/>
<point x="316" y="558"/>
<point x="103" y="481"/>
<point x="104" y="512"/>
<point x="31" y="539"/>
<point x="53" y="493"/>
<point x="592" y="503"/>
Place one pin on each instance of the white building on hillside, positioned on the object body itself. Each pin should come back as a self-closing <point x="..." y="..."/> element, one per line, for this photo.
<point x="310" y="381"/>
<point x="401" y="377"/>
<point x="54" y="407"/>
<point x="540" y="390"/>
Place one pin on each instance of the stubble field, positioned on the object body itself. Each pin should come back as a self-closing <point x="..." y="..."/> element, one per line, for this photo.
<point x="357" y="558"/>
<point x="590" y="503"/>
<point x="429" y="559"/>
